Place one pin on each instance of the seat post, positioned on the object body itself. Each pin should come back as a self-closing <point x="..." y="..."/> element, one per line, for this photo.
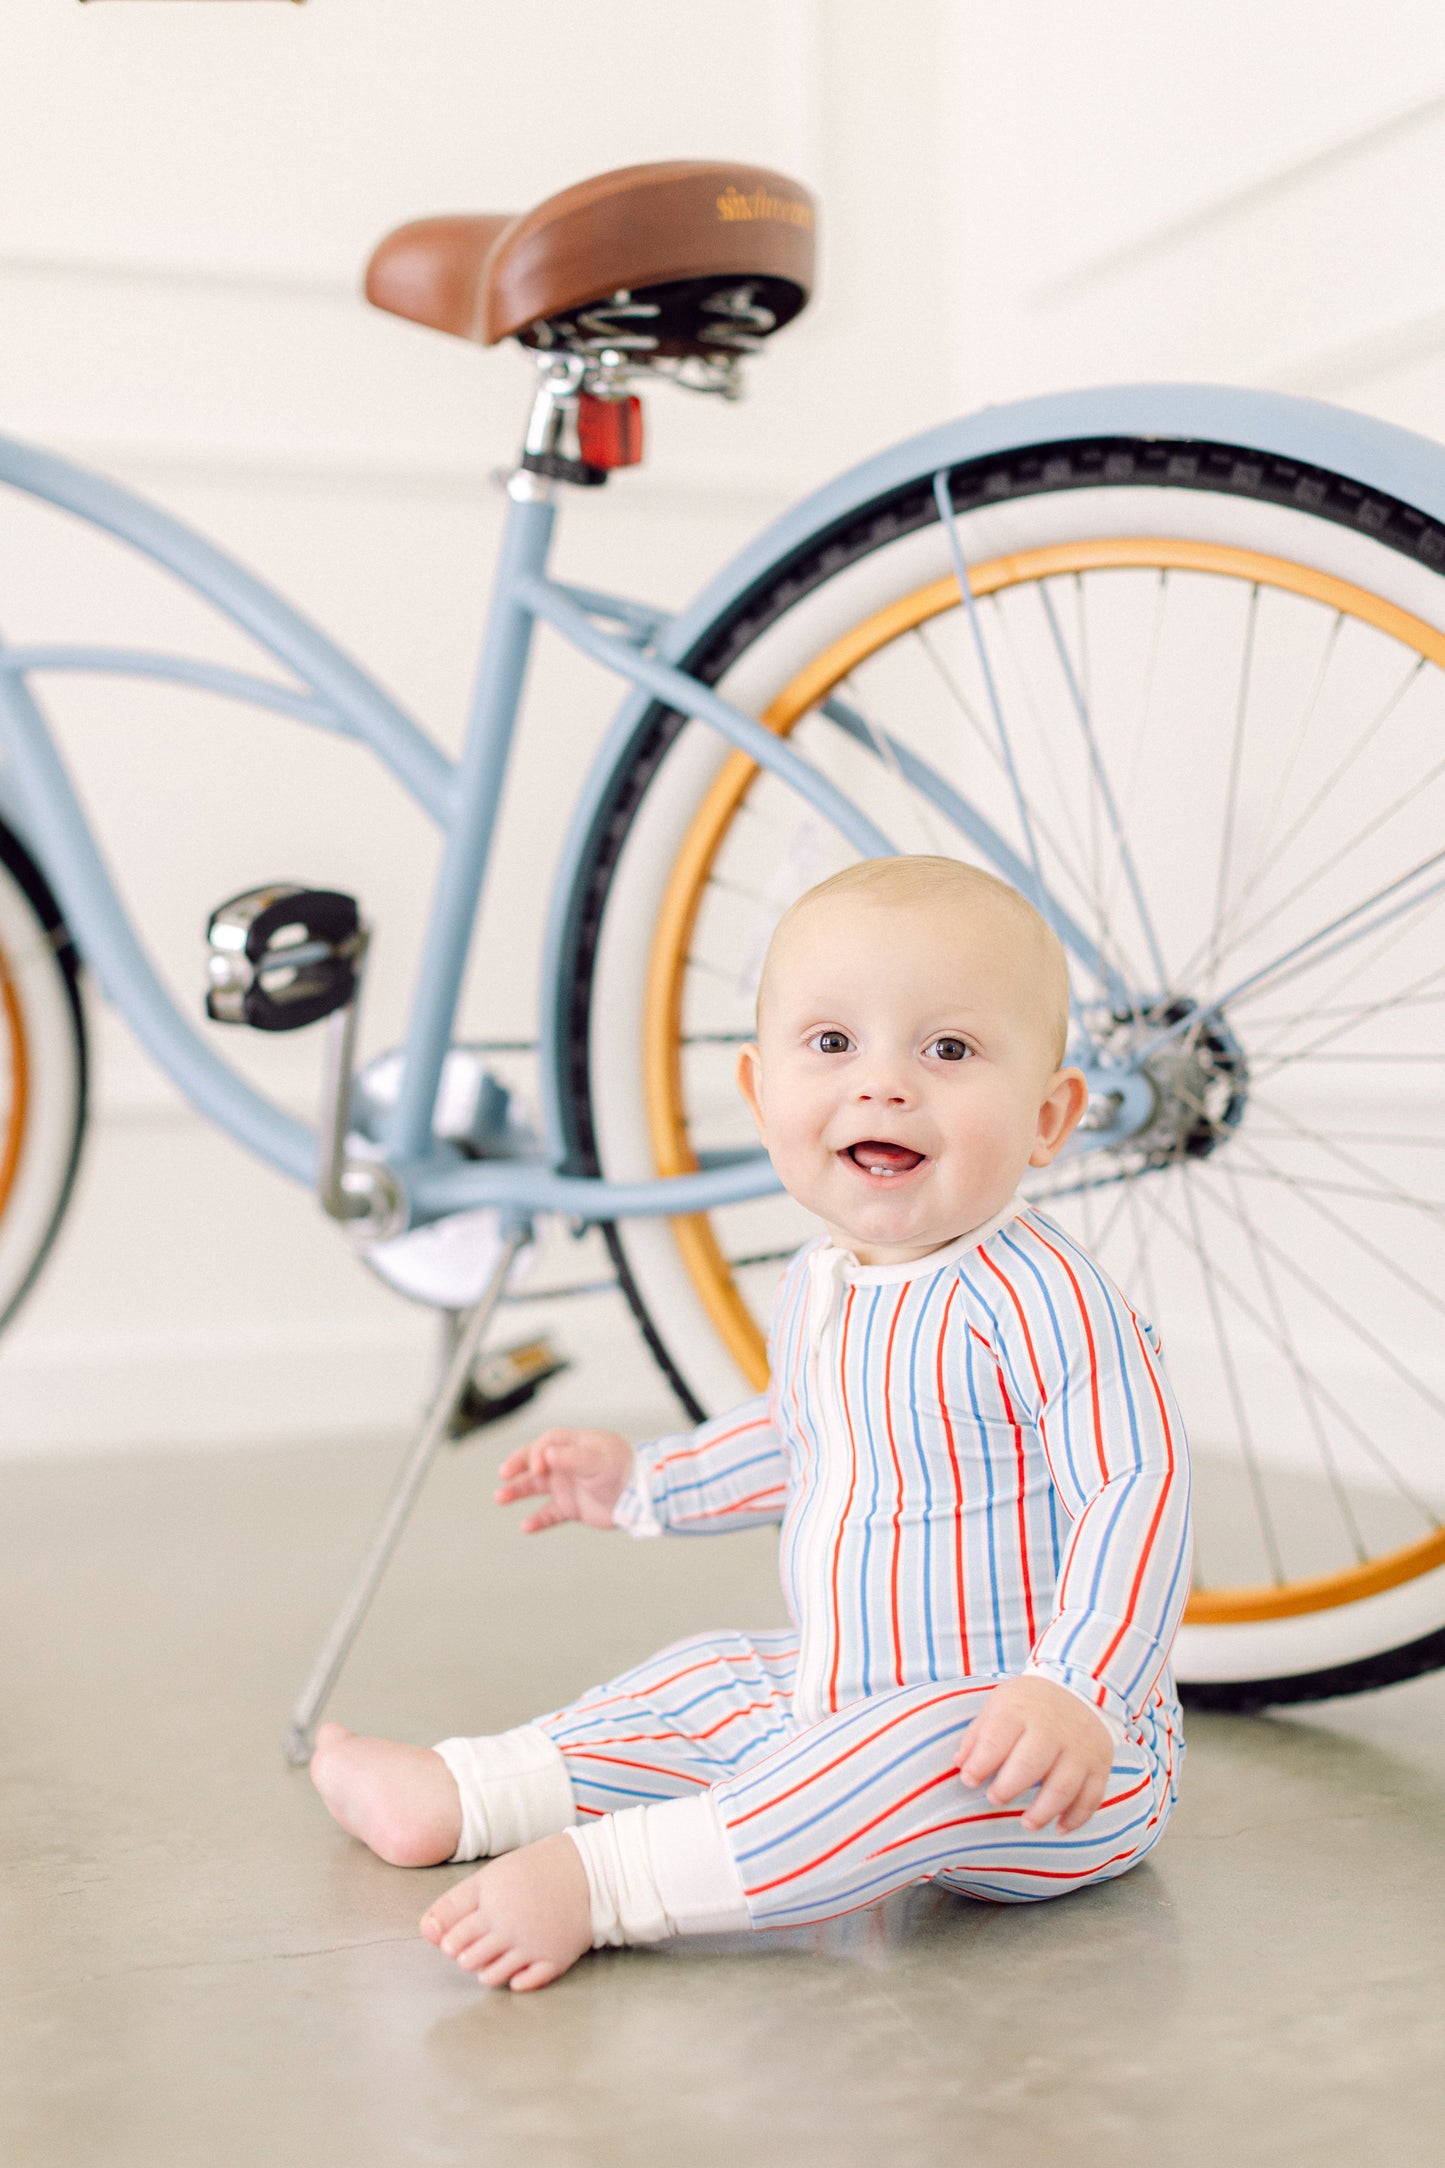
<point x="559" y="379"/>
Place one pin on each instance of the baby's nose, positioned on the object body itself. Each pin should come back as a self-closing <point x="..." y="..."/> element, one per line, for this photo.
<point x="890" y="1089"/>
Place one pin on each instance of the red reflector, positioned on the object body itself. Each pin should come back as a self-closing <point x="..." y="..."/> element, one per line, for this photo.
<point x="609" y="431"/>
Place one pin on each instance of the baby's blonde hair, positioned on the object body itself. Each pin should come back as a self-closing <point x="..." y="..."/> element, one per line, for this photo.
<point x="915" y="878"/>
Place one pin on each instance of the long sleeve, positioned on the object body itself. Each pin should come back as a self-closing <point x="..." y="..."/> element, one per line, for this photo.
<point x="1086" y="1369"/>
<point x="728" y="1473"/>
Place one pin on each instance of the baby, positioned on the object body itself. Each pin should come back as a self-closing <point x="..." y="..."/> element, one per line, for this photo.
<point x="981" y="1478"/>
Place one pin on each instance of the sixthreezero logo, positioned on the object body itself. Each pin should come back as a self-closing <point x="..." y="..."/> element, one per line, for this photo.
<point x="732" y="203"/>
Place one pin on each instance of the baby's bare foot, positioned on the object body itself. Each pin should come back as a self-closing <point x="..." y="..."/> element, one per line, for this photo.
<point x="522" y="1921"/>
<point x="401" y="1800"/>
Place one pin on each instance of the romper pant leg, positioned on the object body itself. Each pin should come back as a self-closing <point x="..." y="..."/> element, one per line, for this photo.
<point x="869" y="1800"/>
<point x="678" y="1724"/>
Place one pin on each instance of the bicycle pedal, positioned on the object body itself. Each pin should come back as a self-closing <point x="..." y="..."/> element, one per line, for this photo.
<point x="283" y="956"/>
<point x="502" y="1382"/>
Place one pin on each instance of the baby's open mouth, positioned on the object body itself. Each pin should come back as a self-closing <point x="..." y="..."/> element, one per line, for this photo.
<point x="874" y="1156"/>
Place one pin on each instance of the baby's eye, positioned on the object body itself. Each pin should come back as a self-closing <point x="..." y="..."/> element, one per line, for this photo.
<point x="831" y="1042"/>
<point x="947" y="1048"/>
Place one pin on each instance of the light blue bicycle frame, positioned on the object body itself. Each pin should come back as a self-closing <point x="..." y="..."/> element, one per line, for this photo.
<point x="643" y="647"/>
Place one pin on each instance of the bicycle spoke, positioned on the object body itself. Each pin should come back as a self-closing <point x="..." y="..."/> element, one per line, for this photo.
<point x="1141" y="738"/>
<point x="1351" y="1322"/>
<point x="1365" y="961"/>
<point x="1316" y="948"/>
<point x="1143" y="1260"/>
<point x="1401" y="1139"/>
<point x="1303" y="1382"/>
<point x="1265" y="851"/>
<point x="944" y="504"/>
<point x="1427" y="1207"/>
<point x="1327" y="789"/>
<point x="1304" y="1191"/>
<point x="1270" y="1059"/>
<point x="883" y="746"/>
<point x="1333" y="1148"/>
<point x="1231" y="800"/>
<point x="1105" y="792"/>
<point x="1336" y="855"/>
<point x="1236" y="1397"/>
<point x="1344" y="1015"/>
<point x="1398" y="1483"/>
<point x="1077" y="865"/>
<point x="1332" y="866"/>
<point x="989" y="744"/>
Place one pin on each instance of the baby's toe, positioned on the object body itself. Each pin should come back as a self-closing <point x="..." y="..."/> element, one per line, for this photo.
<point x="503" y="1966"/>
<point x="541" y="1972"/>
<point x="462" y="1937"/>
<point x="454" y="1904"/>
<point x="484" y="1951"/>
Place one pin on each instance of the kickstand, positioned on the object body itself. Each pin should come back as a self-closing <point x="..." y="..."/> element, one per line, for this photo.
<point x="436" y="1426"/>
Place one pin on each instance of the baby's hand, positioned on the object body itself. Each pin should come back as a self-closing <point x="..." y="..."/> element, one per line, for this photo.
<point x="580" y="1473"/>
<point x="1033" y="1731"/>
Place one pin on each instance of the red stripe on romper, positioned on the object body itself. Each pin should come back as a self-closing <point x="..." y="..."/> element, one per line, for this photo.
<point x="1017" y="1428"/>
<point x="659" y="1738"/>
<point x="1056" y="1874"/>
<point x="937" y="1829"/>
<point x="1012" y="1292"/>
<point x="1061" y="1592"/>
<point x="618" y="1761"/>
<point x="895" y="1806"/>
<point x="739" y="1505"/>
<point x="1093" y="1353"/>
<point x="655" y="1686"/>
<point x="950" y="1693"/>
<point x="1000" y="1814"/>
<point x="848" y="1501"/>
<point x="1161" y="1502"/>
<point x="689" y="1452"/>
<point x="957" y="1474"/>
<point x="898" y="1479"/>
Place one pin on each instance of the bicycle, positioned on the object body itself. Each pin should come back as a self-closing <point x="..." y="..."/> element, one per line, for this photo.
<point x="1166" y="657"/>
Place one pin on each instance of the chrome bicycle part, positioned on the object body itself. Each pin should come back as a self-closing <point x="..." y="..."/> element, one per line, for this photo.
<point x="353" y="1186"/>
<point x="433" y="1433"/>
<point x="282" y="956"/>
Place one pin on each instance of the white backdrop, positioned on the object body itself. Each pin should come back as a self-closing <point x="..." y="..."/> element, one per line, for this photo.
<point x="1014" y="199"/>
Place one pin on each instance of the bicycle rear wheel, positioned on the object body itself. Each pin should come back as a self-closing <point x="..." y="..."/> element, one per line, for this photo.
<point x="43" y="1071"/>
<point x="1223" y="679"/>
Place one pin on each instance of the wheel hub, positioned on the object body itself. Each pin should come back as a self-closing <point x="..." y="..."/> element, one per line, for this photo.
<point x="1195" y="1082"/>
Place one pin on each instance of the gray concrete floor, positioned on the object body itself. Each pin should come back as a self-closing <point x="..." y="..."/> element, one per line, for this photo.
<point x="197" y="1967"/>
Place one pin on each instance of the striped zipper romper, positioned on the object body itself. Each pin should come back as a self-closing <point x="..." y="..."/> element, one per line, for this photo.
<point x="980" y="1471"/>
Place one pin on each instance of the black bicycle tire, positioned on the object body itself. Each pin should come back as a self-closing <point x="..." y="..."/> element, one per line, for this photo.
<point x="1387" y="1669"/>
<point x="31" y="881"/>
<point x="1056" y="467"/>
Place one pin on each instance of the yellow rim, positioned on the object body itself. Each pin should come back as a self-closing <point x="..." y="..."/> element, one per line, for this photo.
<point x="14" y="1136"/>
<point x="662" y="1015"/>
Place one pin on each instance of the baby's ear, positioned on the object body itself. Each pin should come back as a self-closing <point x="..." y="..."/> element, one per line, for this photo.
<point x="1059" y="1115"/>
<point x="750" y="1083"/>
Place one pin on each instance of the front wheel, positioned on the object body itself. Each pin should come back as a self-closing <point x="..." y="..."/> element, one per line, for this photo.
<point x="1222" y="683"/>
<point x="43" y="1071"/>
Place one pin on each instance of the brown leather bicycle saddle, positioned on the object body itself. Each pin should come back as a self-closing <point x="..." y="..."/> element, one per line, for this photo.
<point x="677" y="259"/>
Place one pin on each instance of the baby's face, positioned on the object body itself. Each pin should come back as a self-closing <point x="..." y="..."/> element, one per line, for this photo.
<point x="904" y="1074"/>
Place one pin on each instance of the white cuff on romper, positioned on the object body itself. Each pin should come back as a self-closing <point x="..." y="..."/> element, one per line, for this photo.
<point x="514" y="1789"/>
<point x="654" y="1872"/>
<point x="1113" y="1725"/>
<point x="634" y="1509"/>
